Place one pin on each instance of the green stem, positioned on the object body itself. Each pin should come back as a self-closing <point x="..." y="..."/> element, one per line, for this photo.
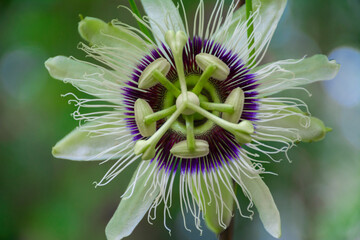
<point x="159" y="115"/>
<point x="250" y="29"/>
<point x="166" y="83"/>
<point x="190" y="132"/>
<point x="203" y="79"/>
<point x="137" y="12"/>
<point x="220" y="107"/>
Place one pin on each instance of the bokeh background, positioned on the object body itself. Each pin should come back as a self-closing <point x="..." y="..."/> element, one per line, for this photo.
<point x="42" y="198"/>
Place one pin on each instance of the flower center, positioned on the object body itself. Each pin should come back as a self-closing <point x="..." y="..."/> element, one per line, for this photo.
<point x="185" y="99"/>
<point x="188" y="97"/>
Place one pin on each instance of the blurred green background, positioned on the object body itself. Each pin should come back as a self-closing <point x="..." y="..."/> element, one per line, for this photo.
<point x="42" y="198"/>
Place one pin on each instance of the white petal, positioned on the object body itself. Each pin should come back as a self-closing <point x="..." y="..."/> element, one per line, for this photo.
<point x="85" y="76"/>
<point x="85" y="144"/>
<point x="267" y="16"/>
<point x="264" y="202"/>
<point x="131" y="210"/>
<point x="282" y="75"/>
<point x="163" y="16"/>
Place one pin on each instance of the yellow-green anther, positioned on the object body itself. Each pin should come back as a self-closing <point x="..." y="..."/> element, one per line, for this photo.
<point x="220" y="107"/>
<point x="243" y="138"/>
<point x="147" y="80"/>
<point x="246" y="127"/>
<point x="166" y="83"/>
<point x="190" y="138"/>
<point x="141" y="110"/>
<point x="177" y="42"/>
<point x="181" y="149"/>
<point x="143" y="147"/>
<point x="191" y="97"/>
<point x="159" y="115"/>
<point x="204" y="60"/>
<point x="208" y="72"/>
<point x="236" y="99"/>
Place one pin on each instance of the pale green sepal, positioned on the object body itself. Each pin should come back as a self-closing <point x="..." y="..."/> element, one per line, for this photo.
<point x="270" y="12"/>
<point x="293" y="73"/>
<point x="164" y="16"/>
<point x="100" y="33"/>
<point x="309" y="129"/>
<point x="131" y="210"/>
<point x="80" y="145"/>
<point x="93" y="80"/>
<point x="264" y="202"/>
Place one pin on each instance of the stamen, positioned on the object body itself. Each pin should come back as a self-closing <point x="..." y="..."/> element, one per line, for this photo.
<point x="236" y="99"/>
<point x="204" y="78"/>
<point x="147" y="79"/>
<point x="240" y="130"/>
<point x="220" y="107"/>
<point x="147" y="147"/>
<point x="141" y="110"/>
<point x="190" y="132"/>
<point x="159" y="115"/>
<point x="166" y="83"/>
<point x="204" y="60"/>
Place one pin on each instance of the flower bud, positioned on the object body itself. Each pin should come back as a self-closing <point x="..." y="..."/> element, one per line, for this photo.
<point x="236" y="98"/>
<point x="181" y="149"/>
<point x="205" y="60"/>
<point x="146" y="79"/>
<point x="143" y="109"/>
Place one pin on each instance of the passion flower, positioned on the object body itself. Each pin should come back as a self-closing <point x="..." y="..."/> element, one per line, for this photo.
<point x="197" y="105"/>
